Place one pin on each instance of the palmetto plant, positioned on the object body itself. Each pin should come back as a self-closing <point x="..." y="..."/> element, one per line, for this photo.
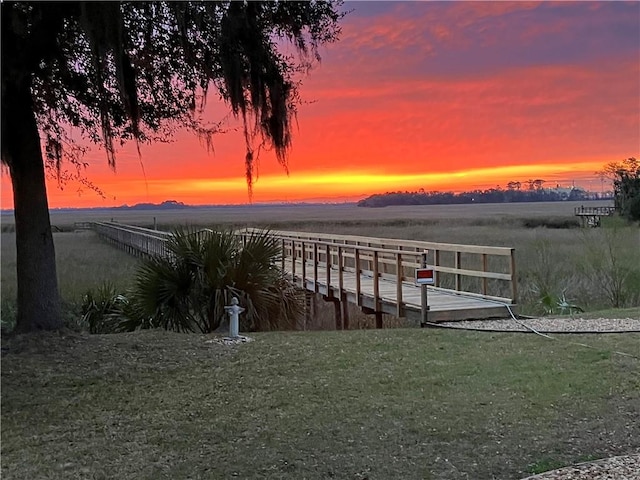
<point x="566" y="306"/>
<point x="103" y="309"/>
<point x="187" y="290"/>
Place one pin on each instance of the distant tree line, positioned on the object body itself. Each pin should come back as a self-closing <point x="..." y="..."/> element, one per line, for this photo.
<point x="529" y="191"/>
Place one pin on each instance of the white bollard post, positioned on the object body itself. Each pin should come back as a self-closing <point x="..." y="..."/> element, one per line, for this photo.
<point x="234" y="311"/>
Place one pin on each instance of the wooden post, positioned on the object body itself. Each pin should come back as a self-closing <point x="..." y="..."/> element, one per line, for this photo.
<point x="436" y="262"/>
<point x="340" y="278"/>
<point x="379" y="319"/>
<point x="308" y="309"/>
<point x="314" y="305"/>
<point x="514" y="280"/>
<point x="424" y="300"/>
<point x="399" y="277"/>
<point x="484" y="269"/>
<point x="345" y="313"/>
<point x="337" y="311"/>
<point x="328" y="260"/>
<point x="284" y="253"/>
<point x="376" y="285"/>
<point x="458" y="264"/>
<point x="304" y="266"/>
<point x="316" y="260"/>
<point x="293" y="260"/>
<point x="358" y="279"/>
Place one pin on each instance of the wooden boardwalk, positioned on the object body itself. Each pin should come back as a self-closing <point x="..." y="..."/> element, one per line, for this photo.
<point x="376" y="274"/>
<point x="444" y="305"/>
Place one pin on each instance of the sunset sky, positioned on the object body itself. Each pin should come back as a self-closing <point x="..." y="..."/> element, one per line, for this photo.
<point x="433" y="95"/>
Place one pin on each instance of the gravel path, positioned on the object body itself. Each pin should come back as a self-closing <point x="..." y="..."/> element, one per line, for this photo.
<point x="615" y="468"/>
<point x="553" y="325"/>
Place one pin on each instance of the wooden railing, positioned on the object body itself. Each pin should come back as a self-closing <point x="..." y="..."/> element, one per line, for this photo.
<point x="135" y="240"/>
<point x="492" y="268"/>
<point x="601" y="211"/>
<point x="316" y="259"/>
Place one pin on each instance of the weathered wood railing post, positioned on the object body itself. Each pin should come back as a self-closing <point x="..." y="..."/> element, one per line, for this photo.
<point x="304" y="265"/>
<point x="284" y="253"/>
<point x="337" y="311"/>
<point x="344" y="304"/>
<point x="358" y="277"/>
<point x="345" y="315"/>
<point x="458" y="265"/>
<point x="399" y="279"/>
<point x="424" y="300"/>
<point x="376" y="284"/>
<point x="485" y="265"/>
<point x="316" y="260"/>
<point x="340" y="277"/>
<point x="293" y="260"/>
<point x="514" y="280"/>
<point x="328" y="265"/>
<point x="436" y="264"/>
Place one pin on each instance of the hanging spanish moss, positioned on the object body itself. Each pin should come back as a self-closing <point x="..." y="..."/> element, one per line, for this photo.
<point x="124" y="71"/>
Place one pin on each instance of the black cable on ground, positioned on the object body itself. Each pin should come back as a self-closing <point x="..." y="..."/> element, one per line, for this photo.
<point x="559" y="340"/>
<point x="531" y="329"/>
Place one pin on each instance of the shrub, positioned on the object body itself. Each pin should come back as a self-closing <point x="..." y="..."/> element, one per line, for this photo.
<point x="612" y="265"/>
<point x="545" y="277"/>
<point x="103" y="309"/>
<point x="187" y="290"/>
<point x="551" y="222"/>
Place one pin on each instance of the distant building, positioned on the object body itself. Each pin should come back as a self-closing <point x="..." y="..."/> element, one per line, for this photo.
<point x="568" y="193"/>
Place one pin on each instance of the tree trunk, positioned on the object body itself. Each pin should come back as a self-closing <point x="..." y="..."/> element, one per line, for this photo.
<point x="38" y="297"/>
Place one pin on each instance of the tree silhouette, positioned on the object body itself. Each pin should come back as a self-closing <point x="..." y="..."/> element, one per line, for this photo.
<point x="625" y="176"/>
<point x="133" y="71"/>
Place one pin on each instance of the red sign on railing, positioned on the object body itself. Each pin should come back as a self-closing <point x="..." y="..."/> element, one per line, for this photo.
<point x="425" y="276"/>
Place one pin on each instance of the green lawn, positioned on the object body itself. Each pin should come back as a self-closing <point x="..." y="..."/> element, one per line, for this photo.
<point x="386" y="404"/>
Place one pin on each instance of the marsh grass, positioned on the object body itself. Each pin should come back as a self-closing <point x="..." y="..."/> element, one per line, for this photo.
<point x="400" y="403"/>
<point x="328" y="214"/>
<point x="83" y="262"/>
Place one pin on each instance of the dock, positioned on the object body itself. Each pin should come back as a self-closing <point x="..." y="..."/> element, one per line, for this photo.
<point x="591" y="216"/>
<point x="376" y="274"/>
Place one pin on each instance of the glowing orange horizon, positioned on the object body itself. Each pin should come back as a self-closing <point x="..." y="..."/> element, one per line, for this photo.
<point x="346" y="185"/>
